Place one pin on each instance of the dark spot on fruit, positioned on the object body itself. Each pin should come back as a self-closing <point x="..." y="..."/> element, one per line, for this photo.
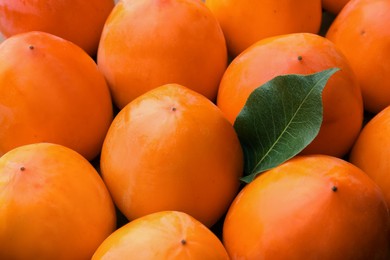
<point x="173" y="109"/>
<point x="22" y="168"/>
<point x="334" y="188"/>
<point x="183" y="242"/>
<point x="31" y="47"/>
<point x="299" y="57"/>
<point x="362" y="32"/>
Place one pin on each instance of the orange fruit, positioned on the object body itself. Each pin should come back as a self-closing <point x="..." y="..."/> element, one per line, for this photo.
<point x="334" y="6"/>
<point x="172" y="149"/>
<point x="371" y="153"/>
<point x="311" y="207"/>
<point x="54" y="205"/>
<point x="361" y="31"/>
<point x="51" y="91"/>
<point x="146" y="44"/>
<point x="248" y="21"/>
<point x="162" y="235"/>
<point x="78" y="21"/>
<point x="299" y="53"/>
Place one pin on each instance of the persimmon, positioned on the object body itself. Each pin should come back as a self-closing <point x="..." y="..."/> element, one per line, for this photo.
<point x="51" y="91"/>
<point x="54" y="205"/>
<point x="162" y="235"/>
<point x="299" y="53"/>
<point x="172" y="149"/>
<point x="78" y="21"/>
<point x="245" y="22"/>
<point x="146" y="44"/>
<point x="361" y="31"/>
<point x="334" y="6"/>
<point x="310" y="207"/>
<point x="371" y="151"/>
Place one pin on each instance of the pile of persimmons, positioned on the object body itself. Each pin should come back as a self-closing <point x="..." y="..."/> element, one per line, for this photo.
<point x="118" y="130"/>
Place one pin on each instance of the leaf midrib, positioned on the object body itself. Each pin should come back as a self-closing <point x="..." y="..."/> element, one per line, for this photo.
<point x="287" y="126"/>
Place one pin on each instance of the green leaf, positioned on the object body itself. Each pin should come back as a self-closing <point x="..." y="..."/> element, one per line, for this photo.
<point x="279" y="119"/>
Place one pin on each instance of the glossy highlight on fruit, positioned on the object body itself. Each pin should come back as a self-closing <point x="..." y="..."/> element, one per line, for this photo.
<point x="78" y="21"/>
<point x="54" y="205"/>
<point x="162" y="235"/>
<point x="311" y="207"/>
<point x="299" y="53"/>
<point x="172" y="149"/>
<point x="362" y="32"/>
<point x="51" y="91"/>
<point x="149" y="43"/>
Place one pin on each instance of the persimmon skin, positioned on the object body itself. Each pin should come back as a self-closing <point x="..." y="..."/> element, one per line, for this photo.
<point x="51" y="91"/>
<point x="334" y="6"/>
<point x="245" y="22"/>
<point x="361" y="31"/>
<point x="370" y="151"/>
<point x="311" y="207"/>
<point x="54" y="205"/>
<point x="172" y="149"/>
<point x="299" y="53"/>
<point x="162" y="235"/>
<point x="146" y="44"/>
<point x="78" y="21"/>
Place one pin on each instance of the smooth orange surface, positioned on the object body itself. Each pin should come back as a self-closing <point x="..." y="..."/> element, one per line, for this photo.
<point x="162" y="235"/>
<point x="300" y="53"/>
<point x="78" y="21"/>
<point x="146" y="44"/>
<point x="334" y="6"/>
<point x="54" y="205"/>
<point x="245" y="22"/>
<point x="311" y="207"/>
<point x="51" y="91"/>
<point x="172" y="149"/>
<point x="371" y="151"/>
<point x="362" y="32"/>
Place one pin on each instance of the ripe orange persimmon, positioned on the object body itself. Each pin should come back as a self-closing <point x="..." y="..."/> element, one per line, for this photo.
<point x="162" y="235"/>
<point x="51" y="91"/>
<point x="54" y="205"/>
<point x="300" y="53"/>
<point x="146" y="44"/>
<point x="371" y="151"/>
<point x="311" y="207"/>
<point x="362" y="32"/>
<point x="172" y="149"/>
<point x="245" y="22"/>
<point x="78" y="21"/>
<point x="334" y="6"/>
